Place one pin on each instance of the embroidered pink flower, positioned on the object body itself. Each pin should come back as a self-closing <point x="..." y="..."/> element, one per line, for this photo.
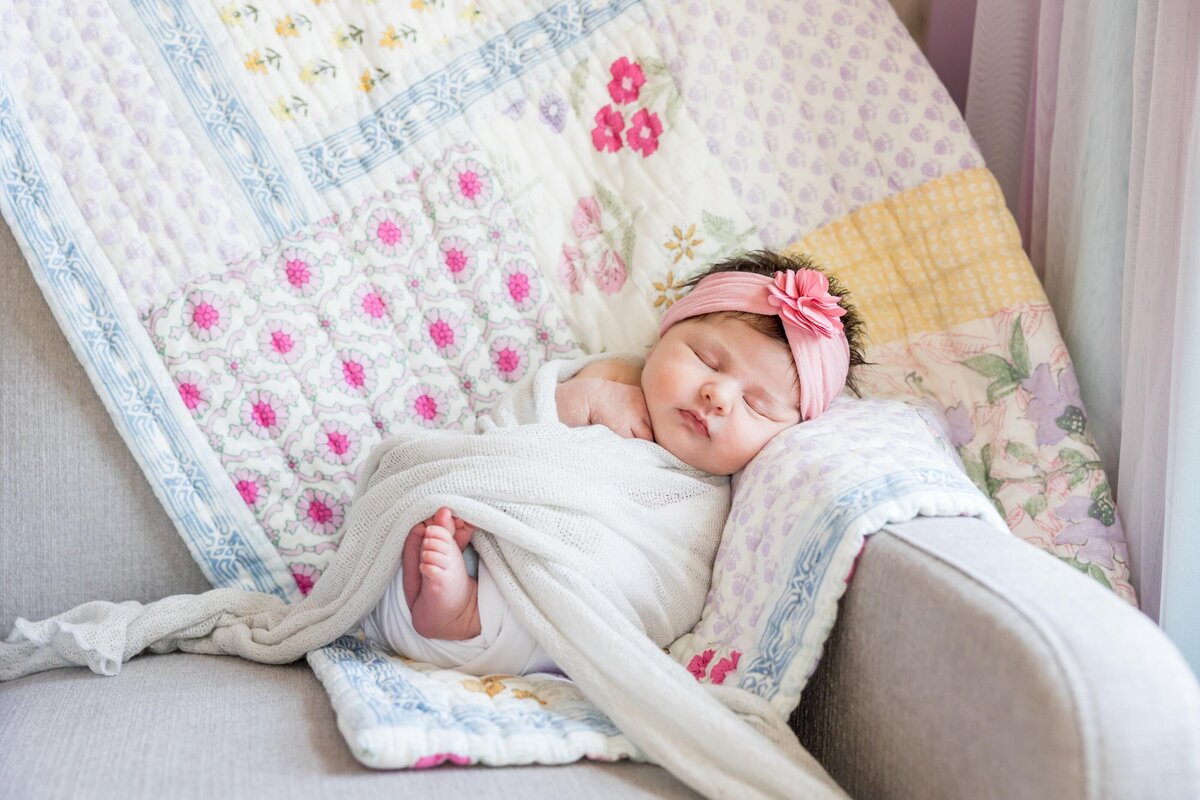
<point x="280" y="342"/>
<point x="354" y="373"/>
<point x="251" y="486"/>
<point x="607" y="133"/>
<point x="803" y="299"/>
<point x="609" y="272"/>
<point x="643" y="133"/>
<point x="297" y="271"/>
<point x="337" y="442"/>
<point x="627" y="80"/>
<point x="470" y="184"/>
<point x="320" y="512"/>
<point x="585" y="222"/>
<point x="388" y="232"/>
<point x="699" y="664"/>
<point x="509" y="358"/>
<point x="205" y="315"/>
<point x="427" y="405"/>
<point x="572" y="268"/>
<point x="520" y="285"/>
<point x="193" y="390"/>
<point x="457" y="257"/>
<point x="372" y="305"/>
<point x="723" y="667"/>
<point x="306" y="577"/>
<point x="445" y="331"/>
<point x="263" y="414"/>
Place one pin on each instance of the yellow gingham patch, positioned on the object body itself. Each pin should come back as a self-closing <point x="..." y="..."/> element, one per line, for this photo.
<point x="930" y="258"/>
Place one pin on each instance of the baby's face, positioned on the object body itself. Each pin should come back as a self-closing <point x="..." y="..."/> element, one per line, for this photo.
<point x="717" y="391"/>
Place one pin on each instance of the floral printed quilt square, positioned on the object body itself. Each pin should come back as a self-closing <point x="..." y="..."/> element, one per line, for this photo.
<point x="614" y="183"/>
<point x="419" y="306"/>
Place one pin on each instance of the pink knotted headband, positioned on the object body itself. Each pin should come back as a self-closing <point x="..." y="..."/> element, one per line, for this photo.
<point x="809" y="313"/>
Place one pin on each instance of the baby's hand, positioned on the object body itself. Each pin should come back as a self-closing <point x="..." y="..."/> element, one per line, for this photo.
<point x="620" y="407"/>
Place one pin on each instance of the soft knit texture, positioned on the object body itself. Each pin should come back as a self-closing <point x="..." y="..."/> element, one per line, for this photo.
<point x="582" y="592"/>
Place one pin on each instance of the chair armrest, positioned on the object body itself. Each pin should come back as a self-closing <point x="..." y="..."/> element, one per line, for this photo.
<point x="967" y="664"/>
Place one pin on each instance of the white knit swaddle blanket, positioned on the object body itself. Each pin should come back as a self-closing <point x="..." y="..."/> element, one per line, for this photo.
<point x="635" y="531"/>
<point x="622" y="517"/>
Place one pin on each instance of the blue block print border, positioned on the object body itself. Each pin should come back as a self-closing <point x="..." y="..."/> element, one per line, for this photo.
<point x="394" y="700"/>
<point x="790" y="621"/>
<point x="430" y="103"/>
<point x="70" y="266"/>
<point x="224" y="115"/>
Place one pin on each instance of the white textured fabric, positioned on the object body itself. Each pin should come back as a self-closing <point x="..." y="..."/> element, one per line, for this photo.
<point x="603" y="626"/>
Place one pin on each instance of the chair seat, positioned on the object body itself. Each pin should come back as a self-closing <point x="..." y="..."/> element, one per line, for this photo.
<point x="183" y="726"/>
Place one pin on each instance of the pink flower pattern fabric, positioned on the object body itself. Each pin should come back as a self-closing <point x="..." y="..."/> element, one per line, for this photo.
<point x="297" y="361"/>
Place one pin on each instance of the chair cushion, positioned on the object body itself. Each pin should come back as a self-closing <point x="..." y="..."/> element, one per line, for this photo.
<point x="185" y="725"/>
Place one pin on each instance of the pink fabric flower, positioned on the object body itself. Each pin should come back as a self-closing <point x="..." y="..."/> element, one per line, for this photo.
<point x="321" y="512"/>
<point x="803" y="299"/>
<point x="644" y="130"/>
<point x="724" y="667"/>
<point x="427" y="405"/>
<point x="509" y="358"/>
<point x="627" y="80"/>
<point x="337" y="443"/>
<point x="264" y="414"/>
<point x="610" y="272"/>
<point x="699" y="664"/>
<point x="521" y="285"/>
<point x="607" y="133"/>
<point x="251" y="486"/>
<point x="585" y="223"/>
<point x="306" y="577"/>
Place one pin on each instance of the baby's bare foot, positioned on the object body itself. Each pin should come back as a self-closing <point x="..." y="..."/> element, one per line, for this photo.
<point x="446" y="606"/>
<point x="410" y="563"/>
<point x="461" y="529"/>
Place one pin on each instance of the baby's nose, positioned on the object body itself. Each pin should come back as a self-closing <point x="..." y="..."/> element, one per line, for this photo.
<point x="718" y="394"/>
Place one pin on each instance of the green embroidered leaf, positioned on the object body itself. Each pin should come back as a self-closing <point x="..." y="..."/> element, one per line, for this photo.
<point x="993" y="366"/>
<point x="654" y="66"/>
<point x="673" y="106"/>
<point x="1018" y="451"/>
<point x="609" y="202"/>
<point x="628" y="237"/>
<point x="720" y="228"/>
<point x="974" y="467"/>
<point x="991" y="484"/>
<point x="1035" y="505"/>
<point x="1077" y="476"/>
<point x="1072" y="457"/>
<point x="578" y="80"/>
<point x="1098" y="574"/>
<point x="999" y="389"/>
<point x="1019" y="350"/>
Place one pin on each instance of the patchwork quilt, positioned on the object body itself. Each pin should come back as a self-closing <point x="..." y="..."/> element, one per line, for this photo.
<point x="275" y="232"/>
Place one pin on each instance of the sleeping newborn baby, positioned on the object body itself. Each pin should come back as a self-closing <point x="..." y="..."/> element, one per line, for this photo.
<point x="760" y="343"/>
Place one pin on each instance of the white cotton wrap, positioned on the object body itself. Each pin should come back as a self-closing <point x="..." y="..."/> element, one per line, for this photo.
<point x="602" y="548"/>
<point x="622" y="516"/>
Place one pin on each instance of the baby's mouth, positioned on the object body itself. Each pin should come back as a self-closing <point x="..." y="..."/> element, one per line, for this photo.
<point x="694" y="421"/>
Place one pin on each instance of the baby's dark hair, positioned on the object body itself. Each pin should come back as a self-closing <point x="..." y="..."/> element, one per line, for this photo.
<point x="768" y="262"/>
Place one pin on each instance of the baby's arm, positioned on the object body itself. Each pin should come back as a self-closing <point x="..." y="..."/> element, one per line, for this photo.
<point x="606" y="393"/>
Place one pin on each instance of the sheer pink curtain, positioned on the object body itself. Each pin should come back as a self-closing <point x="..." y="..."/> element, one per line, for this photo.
<point x="1086" y="113"/>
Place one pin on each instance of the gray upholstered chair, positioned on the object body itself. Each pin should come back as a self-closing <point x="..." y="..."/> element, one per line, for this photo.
<point x="962" y="665"/>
